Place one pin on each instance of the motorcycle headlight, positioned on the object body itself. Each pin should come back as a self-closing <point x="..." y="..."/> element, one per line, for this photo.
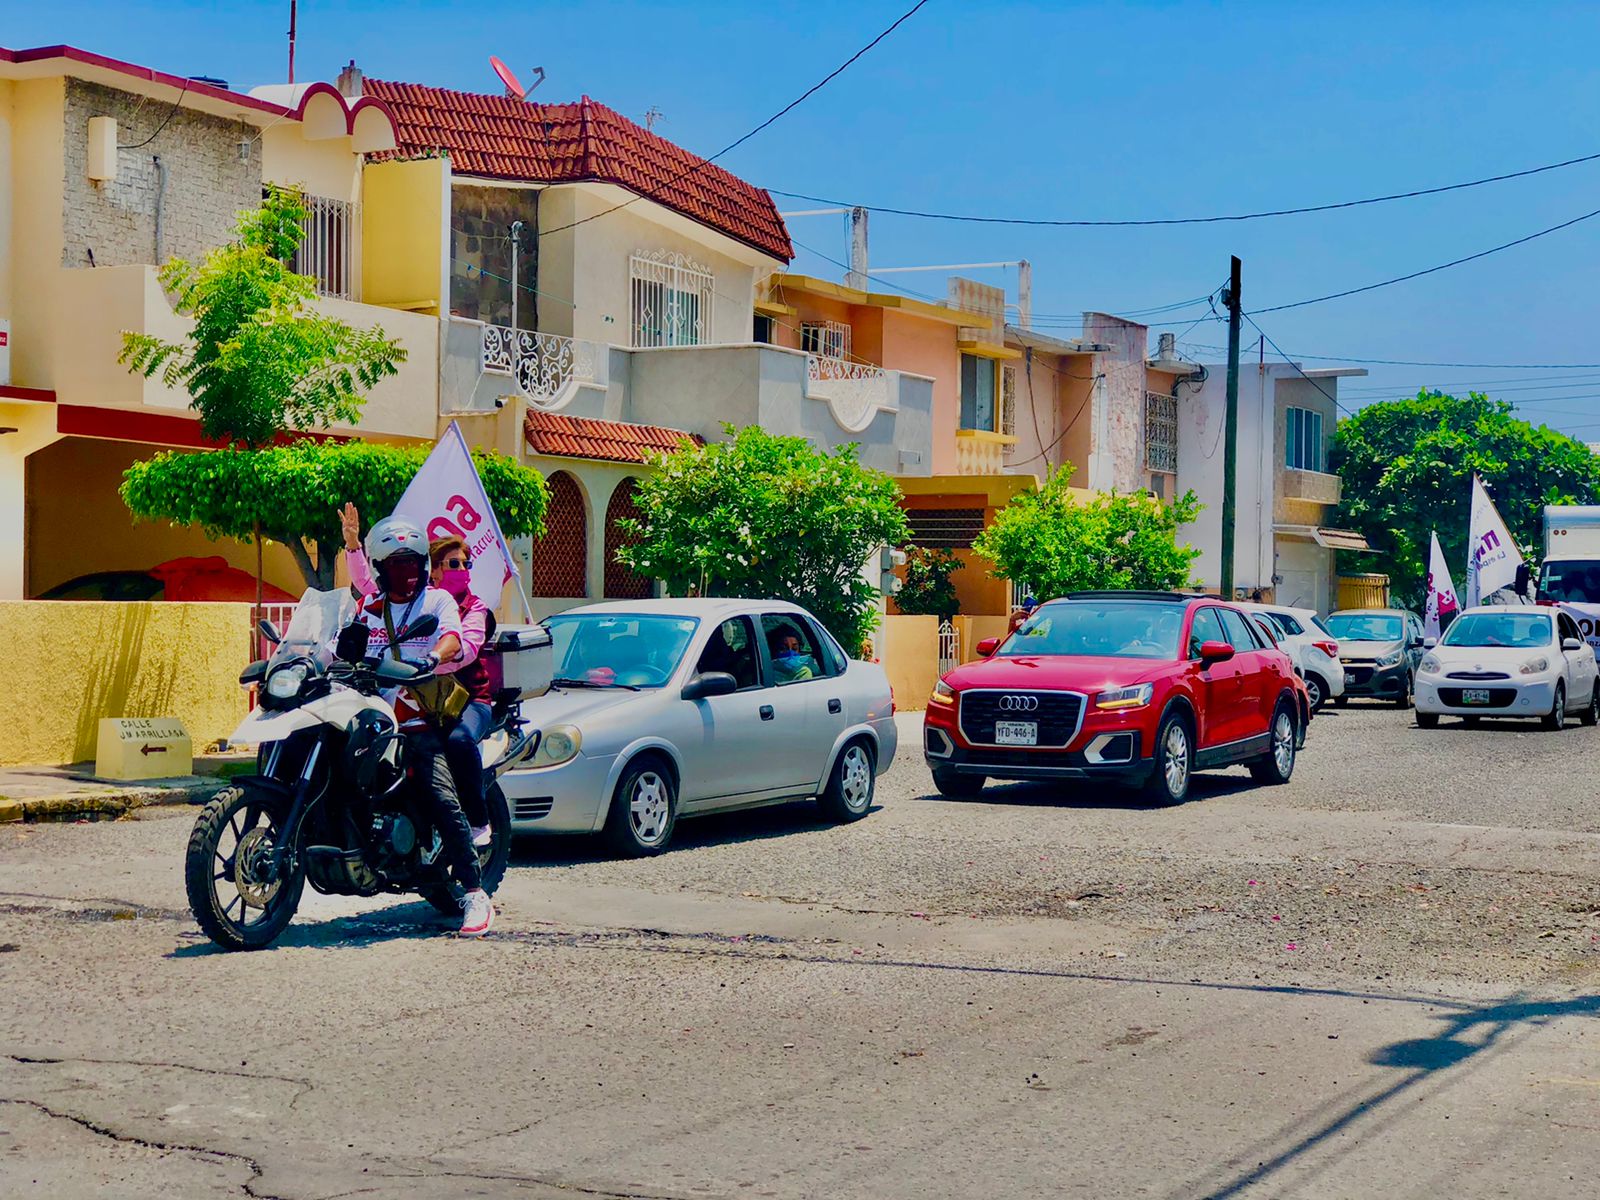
<point x="285" y="683"/>
<point x="1390" y="660"/>
<point x="1129" y="697"/>
<point x="559" y="744"/>
<point x="1430" y="665"/>
<point x="1534" y="666"/>
<point x="943" y="693"/>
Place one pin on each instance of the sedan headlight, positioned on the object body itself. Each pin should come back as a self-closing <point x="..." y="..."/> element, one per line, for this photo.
<point x="943" y="693"/>
<point x="1430" y="664"/>
<point x="285" y="683"/>
<point x="1534" y="666"/>
<point x="1390" y="660"/>
<point x="559" y="744"/>
<point x="1129" y="697"/>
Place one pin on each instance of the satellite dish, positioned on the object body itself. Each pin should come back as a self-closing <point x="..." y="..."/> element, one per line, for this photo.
<point x="514" y="87"/>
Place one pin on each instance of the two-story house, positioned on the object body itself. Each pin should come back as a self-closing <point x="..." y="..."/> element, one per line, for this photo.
<point x="106" y="170"/>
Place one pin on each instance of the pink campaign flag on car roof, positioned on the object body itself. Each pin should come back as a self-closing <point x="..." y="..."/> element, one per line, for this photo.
<point x="1442" y="604"/>
<point x="447" y="499"/>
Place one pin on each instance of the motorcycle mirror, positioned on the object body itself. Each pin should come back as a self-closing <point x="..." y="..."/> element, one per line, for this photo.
<point x="352" y="644"/>
<point x="424" y="626"/>
<point x="269" y="631"/>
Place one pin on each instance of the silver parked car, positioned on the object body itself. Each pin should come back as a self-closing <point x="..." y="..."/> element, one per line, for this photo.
<point x="661" y="709"/>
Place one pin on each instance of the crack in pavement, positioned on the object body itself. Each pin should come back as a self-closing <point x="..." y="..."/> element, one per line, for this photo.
<point x="105" y="1131"/>
<point x="534" y="1180"/>
<point x="305" y="1086"/>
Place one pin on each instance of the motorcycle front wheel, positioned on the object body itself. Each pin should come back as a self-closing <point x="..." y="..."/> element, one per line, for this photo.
<point x="492" y="859"/>
<point x="228" y="870"/>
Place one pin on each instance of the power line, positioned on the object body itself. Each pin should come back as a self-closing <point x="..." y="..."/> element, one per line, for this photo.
<point x="1371" y="287"/>
<point x="737" y="142"/>
<point x="1408" y="362"/>
<point x="1250" y="216"/>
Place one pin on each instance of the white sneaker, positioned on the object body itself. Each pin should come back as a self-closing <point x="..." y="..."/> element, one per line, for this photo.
<point x="482" y="835"/>
<point x="479" y="914"/>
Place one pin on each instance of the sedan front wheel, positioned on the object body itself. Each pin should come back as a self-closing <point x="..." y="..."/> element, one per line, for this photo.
<point x="644" y="810"/>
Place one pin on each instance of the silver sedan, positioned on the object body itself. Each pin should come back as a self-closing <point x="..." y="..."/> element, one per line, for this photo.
<point x="661" y="709"/>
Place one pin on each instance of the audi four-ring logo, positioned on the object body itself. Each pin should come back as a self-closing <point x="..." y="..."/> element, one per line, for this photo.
<point x="1019" y="703"/>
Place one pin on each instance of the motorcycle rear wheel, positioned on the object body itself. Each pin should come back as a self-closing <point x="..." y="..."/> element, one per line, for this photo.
<point x="492" y="859"/>
<point x="226" y="869"/>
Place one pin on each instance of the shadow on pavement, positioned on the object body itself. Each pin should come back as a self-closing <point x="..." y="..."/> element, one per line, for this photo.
<point x="1089" y="794"/>
<point x="1468" y="1034"/>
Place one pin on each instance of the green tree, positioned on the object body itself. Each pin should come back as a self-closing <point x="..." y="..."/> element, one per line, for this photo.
<point x="927" y="589"/>
<point x="259" y="358"/>
<point x="1406" y="470"/>
<point x="768" y="517"/>
<point x="1055" y="543"/>
<point x="291" y="493"/>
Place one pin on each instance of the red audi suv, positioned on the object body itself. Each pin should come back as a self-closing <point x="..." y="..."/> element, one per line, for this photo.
<point x="1141" y="688"/>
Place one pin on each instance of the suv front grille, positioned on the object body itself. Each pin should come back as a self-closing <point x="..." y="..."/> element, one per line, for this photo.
<point x="1058" y="715"/>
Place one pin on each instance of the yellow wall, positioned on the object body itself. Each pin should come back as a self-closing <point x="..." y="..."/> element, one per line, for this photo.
<point x="77" y="523"/>
<point x="323" y="167"/>
<point x="405" y="221"/>
<point x="88" y="660"/>
<point x="908" y="648"/>
<point x="973" y="630"/>
<point x="33" y="175"/>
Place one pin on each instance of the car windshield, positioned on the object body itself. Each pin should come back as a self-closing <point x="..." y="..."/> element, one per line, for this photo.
<point x="617" y="648"/>
<point x="1366" y="627"/>
<point x="1100" y="629"/>
<point x="1571" y="582"/>
<point x="1522" y="631"/>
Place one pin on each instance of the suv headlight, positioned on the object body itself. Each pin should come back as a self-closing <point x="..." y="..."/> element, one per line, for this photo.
<point x="1129" y="697"/>
<point x="1430" y="664"/>
<point x="559" y="744"/>
<point x="285" y="683"/>
<point x="1390" y="660"/>
<point x="943" y="693"/>
<point x="1534" y="666"/>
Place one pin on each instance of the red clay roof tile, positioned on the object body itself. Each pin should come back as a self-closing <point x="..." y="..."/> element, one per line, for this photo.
<point x="609" y="441"/>
<point x="500" y="138"/>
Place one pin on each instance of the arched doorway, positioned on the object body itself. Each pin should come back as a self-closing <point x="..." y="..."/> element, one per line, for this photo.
<point x="621" y="581"/>
<point x="561" y="555"/>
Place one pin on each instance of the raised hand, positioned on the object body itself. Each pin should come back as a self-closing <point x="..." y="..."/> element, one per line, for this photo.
<point x="350" y="523"/>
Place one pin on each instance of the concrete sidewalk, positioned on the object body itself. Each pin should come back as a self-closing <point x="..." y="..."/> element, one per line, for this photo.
<point x="70" y="793"/>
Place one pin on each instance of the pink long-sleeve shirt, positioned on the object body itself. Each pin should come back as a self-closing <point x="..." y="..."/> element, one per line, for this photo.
<point x="474" y="612"/>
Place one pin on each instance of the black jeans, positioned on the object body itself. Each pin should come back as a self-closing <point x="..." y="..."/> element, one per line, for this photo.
<point x="466" y="762"/>
<point x="426" y="748"/>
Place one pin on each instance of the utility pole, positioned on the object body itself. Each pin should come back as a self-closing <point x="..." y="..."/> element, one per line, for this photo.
<point x="1230" y="431"/>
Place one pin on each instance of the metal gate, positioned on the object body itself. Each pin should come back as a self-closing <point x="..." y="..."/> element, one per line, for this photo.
<point x="949" y="647"/>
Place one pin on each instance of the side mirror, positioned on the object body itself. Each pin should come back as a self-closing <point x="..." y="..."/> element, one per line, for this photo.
<point x="708" y="684"/>
<point x="269" y="631"/>
<point x="1571" y="644"/>
<point x="254" y="673"/>
<point x="424" y="626"/>
<point x="351" y="646"/>
<point x="1428" y="643"/>
<point x="1215" y="652"/>
<point x="1417" y="643"/>
<point x="987" y="646"/>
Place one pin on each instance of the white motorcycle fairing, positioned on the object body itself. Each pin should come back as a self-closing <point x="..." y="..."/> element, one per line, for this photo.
<point x="338" y="708"/>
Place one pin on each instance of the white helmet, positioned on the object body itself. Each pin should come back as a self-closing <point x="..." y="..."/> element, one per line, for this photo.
<point x="395" y="535"/>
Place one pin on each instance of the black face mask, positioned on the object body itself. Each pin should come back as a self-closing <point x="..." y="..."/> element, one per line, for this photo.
<point x="402" y="576"/>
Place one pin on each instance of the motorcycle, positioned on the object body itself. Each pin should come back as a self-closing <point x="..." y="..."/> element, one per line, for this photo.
<point x="333" y="801"/>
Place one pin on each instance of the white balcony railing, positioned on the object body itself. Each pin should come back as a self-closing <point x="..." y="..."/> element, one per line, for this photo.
<point x="544" y="365"/>
<point x="856" y="392"/>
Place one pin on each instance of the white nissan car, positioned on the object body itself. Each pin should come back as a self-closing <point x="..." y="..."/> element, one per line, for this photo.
<point x="1509" y="662"/>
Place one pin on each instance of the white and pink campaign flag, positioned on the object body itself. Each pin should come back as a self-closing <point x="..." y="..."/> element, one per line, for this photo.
<point x="447" y="498"/>
<point x="1442" y="602"/>
<point x="1492" y="555"/>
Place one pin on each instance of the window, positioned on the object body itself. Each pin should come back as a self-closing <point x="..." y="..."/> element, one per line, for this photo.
<point x="326" y="252"/>
<point x="622" y="582"/>
<point x="977" y="393"/>
<point x="1099" y="629"/>
<point x="795" y="657"/>
<point x="831" y="339"/>
<point x="945" y="528"/>
<point x="763" y="329"/>
<point x="1302" y="441"/>
<point x="1238" y="632"/>
<point x="732" y="648"/>
<point x="671" y="297"/>
<point x="1569" y="627"/>
<point x="620" y="649"/>
<point x="833" y="657"/>
<point x="561" y="553"/>
<point x="1205" y="628"/>
<point x="1161" y="432"/>
<point x="1288" y="621"/>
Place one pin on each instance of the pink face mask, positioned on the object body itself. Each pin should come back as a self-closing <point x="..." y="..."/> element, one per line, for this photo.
<point x="456" y="582"/>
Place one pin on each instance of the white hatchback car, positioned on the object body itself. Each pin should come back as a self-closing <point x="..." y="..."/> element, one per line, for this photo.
<point x="1509" y="662"/>
<point x="661" y="709"/>
<point x="1313" y="650"/>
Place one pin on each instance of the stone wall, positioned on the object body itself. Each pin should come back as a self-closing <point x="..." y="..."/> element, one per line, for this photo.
<point x="113" y="222"/>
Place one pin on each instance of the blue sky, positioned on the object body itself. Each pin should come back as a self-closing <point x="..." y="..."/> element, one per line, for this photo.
<point x="1071" y="111"/>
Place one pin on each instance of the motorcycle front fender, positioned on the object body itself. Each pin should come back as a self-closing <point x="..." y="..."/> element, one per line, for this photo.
<point x="337" y="709"/>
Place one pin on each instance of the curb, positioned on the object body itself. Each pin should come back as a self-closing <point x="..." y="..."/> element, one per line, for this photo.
<point x="105" y="805"/>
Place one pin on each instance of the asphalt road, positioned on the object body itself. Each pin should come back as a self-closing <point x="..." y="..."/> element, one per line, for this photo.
<point x="1377" y="980"/>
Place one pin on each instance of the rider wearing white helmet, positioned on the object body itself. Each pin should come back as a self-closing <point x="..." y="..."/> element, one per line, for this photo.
<point x="398" y="551"/>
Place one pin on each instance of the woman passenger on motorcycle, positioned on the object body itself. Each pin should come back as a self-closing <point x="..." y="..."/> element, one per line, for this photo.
<point x="397" y="551"/>
<point x="452" y="572"/>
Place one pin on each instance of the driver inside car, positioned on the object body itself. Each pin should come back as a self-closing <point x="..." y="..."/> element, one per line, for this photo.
<point x="397" y="550"/>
